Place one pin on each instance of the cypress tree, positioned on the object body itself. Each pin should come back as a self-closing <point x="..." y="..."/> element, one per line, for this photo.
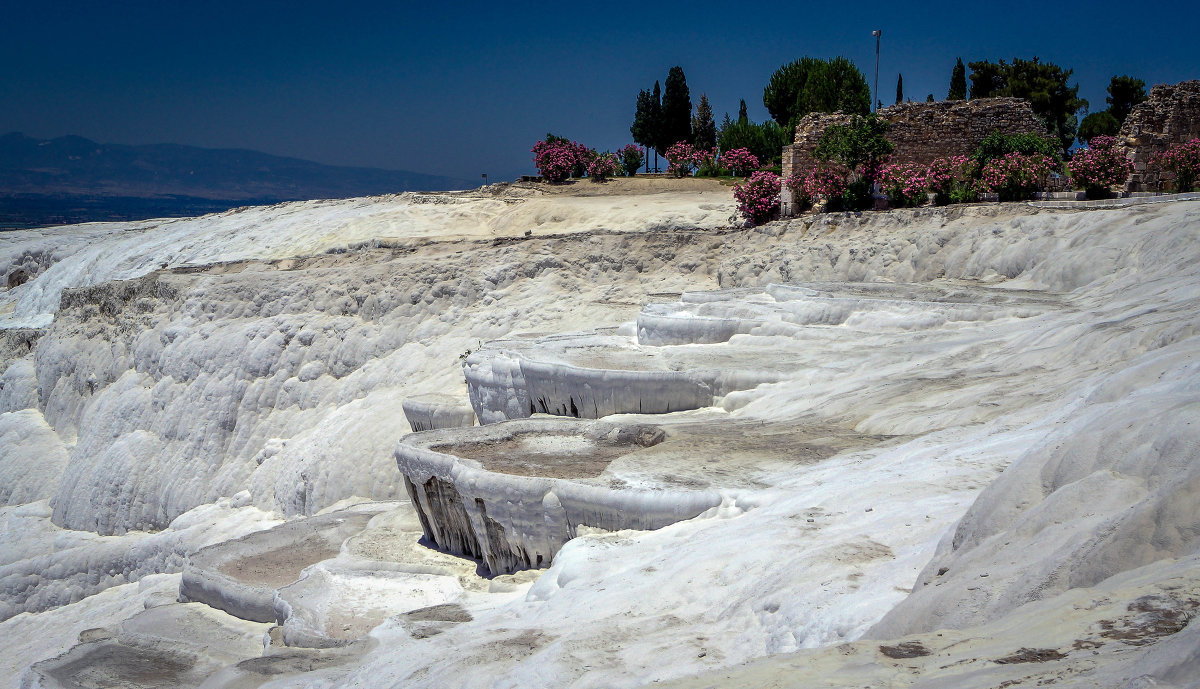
<point x="704" y="129"/>
<point x="958" y="82"/>
<point x="743" y="118"/>
<point x="899" y="89"/>
<point x="676" y="109"/>
<point x="656" y="128"/>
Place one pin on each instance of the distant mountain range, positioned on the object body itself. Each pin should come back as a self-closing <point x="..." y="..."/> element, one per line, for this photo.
<point x="73" y="179"/>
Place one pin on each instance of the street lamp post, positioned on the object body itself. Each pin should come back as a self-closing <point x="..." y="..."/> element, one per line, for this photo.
<point x="876" y="33"/>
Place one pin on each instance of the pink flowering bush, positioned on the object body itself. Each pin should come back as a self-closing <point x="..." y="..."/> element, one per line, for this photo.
<point x="739" y="161"/>
<point x="758" y="197"/>
<point x="951" y="179"/>
<point x="706" y="162"/>
<point x="906" y="185"/>
<point x="555" y="160"/>
<point x="680" y="158"/>
<point x="825" y="181"/>
<point x="1184" y="161"/>
<point x="602" y="167"/>
<point x="631" y="159"/>
<point x="1100" y="166"/>
<point x="1015" y="176"/>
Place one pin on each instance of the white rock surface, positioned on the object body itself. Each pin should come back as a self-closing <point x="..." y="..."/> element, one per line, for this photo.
<point x="268" y="362"/>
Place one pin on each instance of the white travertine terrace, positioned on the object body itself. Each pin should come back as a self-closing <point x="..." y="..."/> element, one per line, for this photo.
<point x="971" y="429"/>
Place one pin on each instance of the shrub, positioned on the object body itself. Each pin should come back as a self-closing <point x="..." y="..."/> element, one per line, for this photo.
<point x="1184" y="161"/>
<point x="860" y="145"/>
<point x="997" y="145"/>
<point x="758" y="197"/>
<point x="822" y="182"/>
<point x="1099" y="167"/>
<point x="602" y="167"/>
<point x="680" y="158"/>
<point x="858" y="196"/>
<point x="631" y="159"/>
<point x="740" y="161"/>
<point x="906" y="185"/>
<point x="951" y="180"/>
<point x="555" y="160"/>
<point x="583" y="158"/>
<point x="706" y="162"/>
<point x="1015" y="176"/>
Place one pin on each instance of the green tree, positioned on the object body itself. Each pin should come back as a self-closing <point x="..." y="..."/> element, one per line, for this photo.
<point x="1098" y="124"/>
<point x="645" y="127"/>
<point x="899" y="89"/>
<point x="987" y="79"/>
<point x="859" y="145"/>
<point x="783" y="89"/>
<point x="812" y="85"/>
<point x="1124" y="92"/>
<point x="929" y="98"/>
<point x="704" y="129"/>
<point x="676" y="109"/>
<point x="1043" y="84"/>
<point x="958" y="82"/>
<point x="742" y="116"/>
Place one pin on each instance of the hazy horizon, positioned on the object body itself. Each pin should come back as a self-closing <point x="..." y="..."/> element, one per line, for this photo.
<point x="466" y="90"/>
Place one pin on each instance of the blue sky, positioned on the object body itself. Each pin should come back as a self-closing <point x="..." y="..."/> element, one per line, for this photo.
<point x="465" y="88"/>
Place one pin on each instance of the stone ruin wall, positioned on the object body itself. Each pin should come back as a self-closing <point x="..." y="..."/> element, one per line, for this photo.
<point x="1171" y="115"/>
<point x="921" y="132"/>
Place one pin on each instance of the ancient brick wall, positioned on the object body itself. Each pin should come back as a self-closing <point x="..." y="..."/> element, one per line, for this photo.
<point x="1171" y="115"/>
<point x="921" y="132"/>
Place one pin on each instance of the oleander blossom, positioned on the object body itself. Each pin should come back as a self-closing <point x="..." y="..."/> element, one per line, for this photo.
<point x="740" y="161"/>
<point x="602" y="167"/>
<point x="905" y="184"/>
<point x="1184" y="161"/>
<point x="758" y="197"/>
<point x="681" y="158"/>
<point x="1100" y="166"/>
<point x="1015" y="176"/>
<point x="826" y="181"/>
<point x="555" y="160"/>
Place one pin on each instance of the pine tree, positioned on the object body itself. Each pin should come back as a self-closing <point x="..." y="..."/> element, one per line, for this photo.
<point x="743" y="118"/>
<point x="1124" y="92"/>
<point x="704" y="129"/>
<point x="899" y="89"/>
<point x="676" y="109"/>
<point x="958" y="82"/>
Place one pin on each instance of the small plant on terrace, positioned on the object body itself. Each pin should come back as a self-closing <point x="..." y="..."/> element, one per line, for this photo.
<point x="1184" y="161"/>
<point x="758" y="197"/>
<point x="1099" y="167"/>
<point x="681" y="158"/>
<point x="603" y="166"/>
